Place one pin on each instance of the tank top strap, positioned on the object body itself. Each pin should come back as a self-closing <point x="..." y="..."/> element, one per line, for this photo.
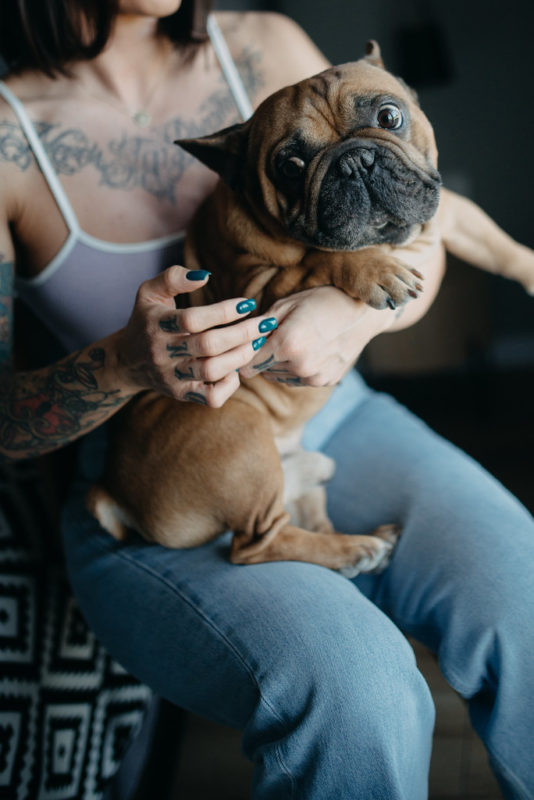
<point x="42" y="158"/>
<point x="229" y="68"/>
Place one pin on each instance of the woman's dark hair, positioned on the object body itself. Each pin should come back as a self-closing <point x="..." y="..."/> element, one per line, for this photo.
<point x="48" y="34"/>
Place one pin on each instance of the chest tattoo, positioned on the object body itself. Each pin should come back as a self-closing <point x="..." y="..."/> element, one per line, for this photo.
<point x="148" y="160"/>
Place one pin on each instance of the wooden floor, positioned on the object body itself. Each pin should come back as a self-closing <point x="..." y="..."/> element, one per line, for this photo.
<point x="483" y="417"/>
<point x="212" y="767"/>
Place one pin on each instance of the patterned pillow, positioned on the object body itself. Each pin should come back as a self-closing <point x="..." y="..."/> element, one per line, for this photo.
<point x="67" y="710"/>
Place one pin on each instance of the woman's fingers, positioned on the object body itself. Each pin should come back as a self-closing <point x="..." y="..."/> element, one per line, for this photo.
<point x="212" y="341"/>
<point x="171" y="282"/>
<point x="211" y="370"/>
<point x="202" y="318"/>
<point x="209" y="394"/>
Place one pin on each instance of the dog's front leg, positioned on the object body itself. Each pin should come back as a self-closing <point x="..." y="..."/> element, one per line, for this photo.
<point x="371" y="274"/>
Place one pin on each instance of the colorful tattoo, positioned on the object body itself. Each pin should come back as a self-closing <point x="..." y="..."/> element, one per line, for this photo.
<point x="39" y="413"/>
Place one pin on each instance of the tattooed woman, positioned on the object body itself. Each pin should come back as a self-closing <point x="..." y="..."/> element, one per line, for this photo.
<point x="312" y="667"/>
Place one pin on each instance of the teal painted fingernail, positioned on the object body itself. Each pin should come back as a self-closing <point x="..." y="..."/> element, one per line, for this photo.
<point x="267" y="325"/>
<point x="245" y="306"/>
<point x="257" y="343"/>
<point x="197" y="274"/>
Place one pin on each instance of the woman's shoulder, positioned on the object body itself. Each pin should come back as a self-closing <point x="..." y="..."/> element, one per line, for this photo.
<point x="284" y="52"/>
<point x="16" y="158"/>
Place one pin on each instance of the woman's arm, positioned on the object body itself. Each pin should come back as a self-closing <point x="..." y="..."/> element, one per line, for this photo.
<point x="162" y="348"/>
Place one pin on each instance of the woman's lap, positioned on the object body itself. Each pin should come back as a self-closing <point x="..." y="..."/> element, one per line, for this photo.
<point x="290" y="653"/>
<point x="235" y="643"/>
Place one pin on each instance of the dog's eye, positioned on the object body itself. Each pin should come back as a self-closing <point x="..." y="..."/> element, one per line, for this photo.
<point x="292" y="167"/>
<point x="390" y="117"/>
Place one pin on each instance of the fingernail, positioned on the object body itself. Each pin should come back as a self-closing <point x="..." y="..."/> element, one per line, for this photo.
<point x="245" y="306"/>
<point x="267" y="325"/>
<point x="197" y="274"/>
<point x="257" y="343"/>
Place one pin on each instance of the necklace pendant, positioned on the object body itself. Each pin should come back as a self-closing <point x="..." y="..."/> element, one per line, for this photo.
<point x="142" y="119"/>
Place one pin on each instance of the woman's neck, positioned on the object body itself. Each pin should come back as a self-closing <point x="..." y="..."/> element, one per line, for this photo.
<point x="134" y="60"/>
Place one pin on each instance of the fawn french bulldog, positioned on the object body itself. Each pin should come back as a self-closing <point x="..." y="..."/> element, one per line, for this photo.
<point x="327" y="182"/>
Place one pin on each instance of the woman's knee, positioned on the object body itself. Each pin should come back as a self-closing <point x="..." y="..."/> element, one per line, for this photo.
<point x="352" y="669"/>
<point x="344" y="707"/>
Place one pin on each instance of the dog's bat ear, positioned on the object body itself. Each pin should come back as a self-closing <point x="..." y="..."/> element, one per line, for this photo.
<point x="373" y="55"/>
<point x="224" y="152"/>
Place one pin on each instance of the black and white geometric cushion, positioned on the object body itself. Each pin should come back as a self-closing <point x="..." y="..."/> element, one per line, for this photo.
<point x="67" y="710"/>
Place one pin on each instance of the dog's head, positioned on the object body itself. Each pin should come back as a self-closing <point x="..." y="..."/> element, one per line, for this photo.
<point x="342" y="160"/>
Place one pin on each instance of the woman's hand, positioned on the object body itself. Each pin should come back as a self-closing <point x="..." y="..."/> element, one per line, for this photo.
<point x="320" y="335"/>
<point x="323" y="331"/>
<point x="182" y="352"/>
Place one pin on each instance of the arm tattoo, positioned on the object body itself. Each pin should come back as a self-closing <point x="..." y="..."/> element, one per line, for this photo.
<point x="46" y="409"/>
<point x="148" y="160"/>
<point x="6" y="314"/>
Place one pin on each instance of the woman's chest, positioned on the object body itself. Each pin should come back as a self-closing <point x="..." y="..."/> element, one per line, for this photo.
<point x="126" y="186"/>
<point x="121" y="182"/>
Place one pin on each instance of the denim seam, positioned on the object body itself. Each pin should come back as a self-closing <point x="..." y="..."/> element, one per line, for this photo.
<point x="229" y="644"/>
<point x="278" y="752"/>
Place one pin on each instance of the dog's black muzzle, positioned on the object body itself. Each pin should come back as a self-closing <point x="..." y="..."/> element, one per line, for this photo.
<point x="371" y="193"/>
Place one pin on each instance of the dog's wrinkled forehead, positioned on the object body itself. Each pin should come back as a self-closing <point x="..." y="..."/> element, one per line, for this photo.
<point x="349" y="101"/>
<point x="333" y="104"/>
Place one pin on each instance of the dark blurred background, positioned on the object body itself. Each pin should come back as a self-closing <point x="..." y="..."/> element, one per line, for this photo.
<point x="468" y="366"/>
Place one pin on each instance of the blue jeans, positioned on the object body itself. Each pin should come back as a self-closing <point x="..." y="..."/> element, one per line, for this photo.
<point x="314" y="668"/>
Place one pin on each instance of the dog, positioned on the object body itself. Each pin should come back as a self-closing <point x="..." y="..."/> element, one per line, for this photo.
<point x="324" y="185"/>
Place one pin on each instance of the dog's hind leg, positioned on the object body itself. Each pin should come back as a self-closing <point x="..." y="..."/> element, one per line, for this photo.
<point x="261" y="522"/>
<point x="285" y="542"/>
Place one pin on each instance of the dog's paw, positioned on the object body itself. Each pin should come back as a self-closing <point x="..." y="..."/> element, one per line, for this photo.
<point x="373" y="553"/>
<point x="384" y="281"/>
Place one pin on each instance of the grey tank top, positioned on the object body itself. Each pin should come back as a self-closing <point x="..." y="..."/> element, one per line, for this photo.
<point x="88" y="290"/>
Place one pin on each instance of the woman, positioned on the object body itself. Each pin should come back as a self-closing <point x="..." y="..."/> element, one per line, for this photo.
<point x="313" y="668"/>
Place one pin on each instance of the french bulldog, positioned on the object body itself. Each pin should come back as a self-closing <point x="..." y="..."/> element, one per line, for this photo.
<point x="326" y="183"/>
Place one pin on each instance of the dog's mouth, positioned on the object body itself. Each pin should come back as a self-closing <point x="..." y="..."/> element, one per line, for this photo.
<point x="365" y="193"/>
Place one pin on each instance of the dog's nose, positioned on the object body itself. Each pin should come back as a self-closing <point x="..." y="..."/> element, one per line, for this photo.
<point x="367" y="157"/>
<point x="350" y="163"/>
